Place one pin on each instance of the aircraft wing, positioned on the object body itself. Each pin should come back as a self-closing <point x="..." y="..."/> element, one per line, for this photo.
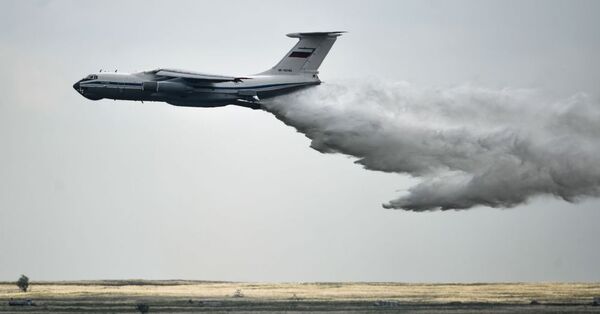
<point x="196" y="76"/>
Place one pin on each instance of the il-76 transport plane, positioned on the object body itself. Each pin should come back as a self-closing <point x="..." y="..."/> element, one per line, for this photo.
<point x="297" y="70"/>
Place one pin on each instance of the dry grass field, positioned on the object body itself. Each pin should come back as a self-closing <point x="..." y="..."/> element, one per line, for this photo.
<point x="197" y="296"/>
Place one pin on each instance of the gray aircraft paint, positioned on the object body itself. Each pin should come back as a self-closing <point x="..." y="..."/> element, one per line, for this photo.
<point x="297" y="70"/>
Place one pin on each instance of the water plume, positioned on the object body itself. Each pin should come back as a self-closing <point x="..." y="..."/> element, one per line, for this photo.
<point x="468" y="145"/>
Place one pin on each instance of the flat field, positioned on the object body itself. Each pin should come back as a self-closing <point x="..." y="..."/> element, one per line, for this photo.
<point x="242" y="297"/>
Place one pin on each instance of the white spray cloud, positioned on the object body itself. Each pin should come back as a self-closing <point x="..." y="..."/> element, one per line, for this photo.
<point x="469" y="146"/>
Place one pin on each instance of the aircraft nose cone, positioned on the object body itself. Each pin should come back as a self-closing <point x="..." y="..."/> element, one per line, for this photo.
<point x="76" y="86"/>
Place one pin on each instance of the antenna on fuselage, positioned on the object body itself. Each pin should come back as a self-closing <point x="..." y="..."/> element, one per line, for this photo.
<point x="115" y="70"/>
<point x="100" y="70"/>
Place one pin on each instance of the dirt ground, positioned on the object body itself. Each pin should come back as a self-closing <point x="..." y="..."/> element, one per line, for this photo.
<point x="232" y="297"/>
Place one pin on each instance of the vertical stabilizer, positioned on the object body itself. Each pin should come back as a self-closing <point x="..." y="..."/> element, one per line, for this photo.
<point x="307" y="55"/>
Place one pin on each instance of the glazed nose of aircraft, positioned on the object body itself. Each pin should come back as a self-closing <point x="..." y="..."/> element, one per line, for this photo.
<point x="76" y="86"/>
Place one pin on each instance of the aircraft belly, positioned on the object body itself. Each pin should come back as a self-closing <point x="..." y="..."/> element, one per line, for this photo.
<point x="130" y="93"/>
<point x="273" y="92"/>
<point x="200" y="99"/>
<point x="205" y="96"/>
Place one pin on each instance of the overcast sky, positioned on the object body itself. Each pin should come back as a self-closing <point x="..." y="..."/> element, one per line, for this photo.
<point x="114" y="189"/>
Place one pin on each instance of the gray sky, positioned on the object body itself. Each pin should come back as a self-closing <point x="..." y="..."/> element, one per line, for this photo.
<point x="113" y="189"/>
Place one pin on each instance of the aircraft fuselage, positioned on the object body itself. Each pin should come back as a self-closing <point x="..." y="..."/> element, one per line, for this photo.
<point x="146" y="86"/>
<point x="298" y="69"/>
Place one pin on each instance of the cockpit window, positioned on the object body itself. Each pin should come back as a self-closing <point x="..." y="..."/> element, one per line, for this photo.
<point x="91" y="77"/>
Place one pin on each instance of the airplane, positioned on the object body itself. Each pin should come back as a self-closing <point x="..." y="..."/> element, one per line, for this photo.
<point x="297" y="70"/>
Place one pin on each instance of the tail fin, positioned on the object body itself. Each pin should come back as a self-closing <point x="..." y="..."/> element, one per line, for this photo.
<point x="307" y="55"/>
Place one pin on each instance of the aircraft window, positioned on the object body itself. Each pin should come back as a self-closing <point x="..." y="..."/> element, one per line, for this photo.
<point x="92" y="77"/>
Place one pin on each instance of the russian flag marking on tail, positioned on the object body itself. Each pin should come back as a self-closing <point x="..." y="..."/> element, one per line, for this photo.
<point x="307" y="55"/>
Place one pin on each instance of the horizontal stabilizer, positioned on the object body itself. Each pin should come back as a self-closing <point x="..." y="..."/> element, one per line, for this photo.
<point x="316" y="34"/>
